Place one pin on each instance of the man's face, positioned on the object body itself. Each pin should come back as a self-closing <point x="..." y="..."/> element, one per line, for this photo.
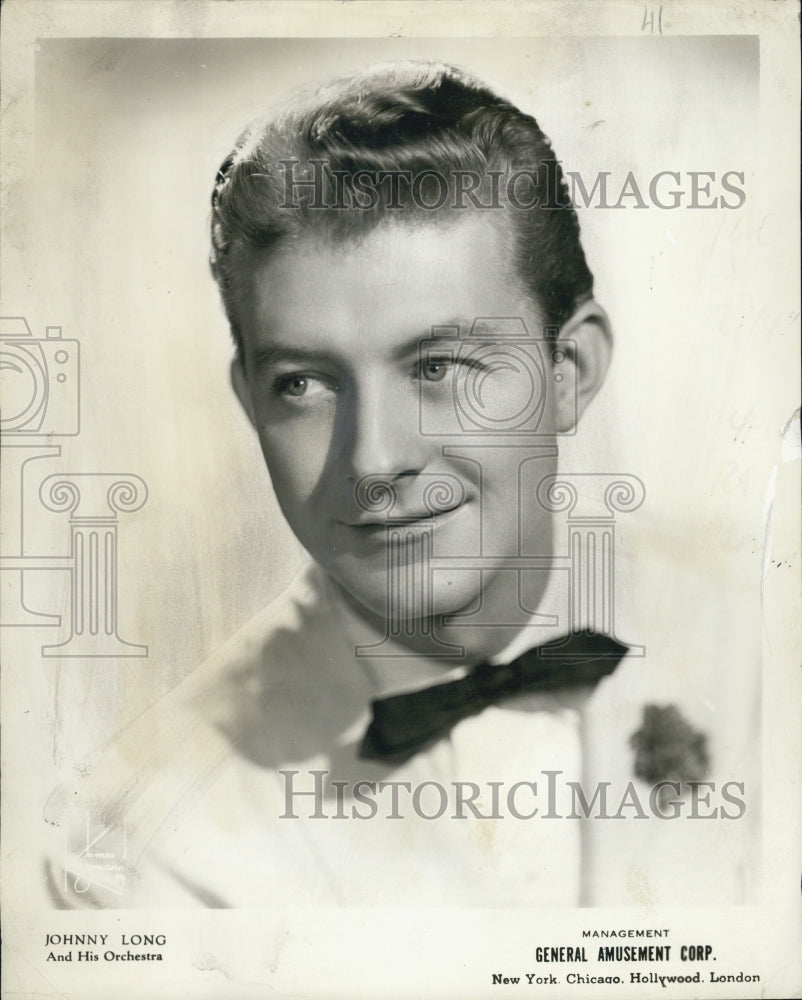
<point x="338" y="388"/>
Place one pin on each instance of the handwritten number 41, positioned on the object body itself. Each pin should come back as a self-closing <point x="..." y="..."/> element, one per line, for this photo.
<point x="649" y="20"/>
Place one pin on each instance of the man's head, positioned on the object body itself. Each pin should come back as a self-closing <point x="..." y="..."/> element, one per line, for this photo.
<point x="347" y="229"/>
<point x="406" y="140"/>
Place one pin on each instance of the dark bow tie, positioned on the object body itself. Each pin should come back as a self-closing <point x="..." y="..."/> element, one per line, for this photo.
<point x="403" y="723"/>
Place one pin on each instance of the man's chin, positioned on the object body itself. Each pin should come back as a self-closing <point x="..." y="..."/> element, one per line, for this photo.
<point x="406" y="599"/>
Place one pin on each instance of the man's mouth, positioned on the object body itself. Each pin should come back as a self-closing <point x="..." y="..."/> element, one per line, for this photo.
<point x="411" y="519"/>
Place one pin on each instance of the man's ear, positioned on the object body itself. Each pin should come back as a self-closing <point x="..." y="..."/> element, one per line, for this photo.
<point x="239" y="383"/>
<point x="586" y="340"/>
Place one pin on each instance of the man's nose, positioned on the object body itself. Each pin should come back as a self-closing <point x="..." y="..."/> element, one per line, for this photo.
<point x="383" y="433"/>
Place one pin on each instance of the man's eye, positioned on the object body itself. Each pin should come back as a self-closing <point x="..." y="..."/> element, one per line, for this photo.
<point x="296" y="385"/>
<point x="434" y="371"/>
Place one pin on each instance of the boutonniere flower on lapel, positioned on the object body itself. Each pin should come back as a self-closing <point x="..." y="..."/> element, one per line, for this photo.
<point x="668" y="748"/>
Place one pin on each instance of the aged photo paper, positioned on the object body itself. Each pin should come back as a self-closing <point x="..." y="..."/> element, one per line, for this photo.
<point x="400" y="499"/>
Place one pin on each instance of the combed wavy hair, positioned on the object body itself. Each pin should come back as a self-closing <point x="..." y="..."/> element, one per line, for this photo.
<point x="415" y="117"/>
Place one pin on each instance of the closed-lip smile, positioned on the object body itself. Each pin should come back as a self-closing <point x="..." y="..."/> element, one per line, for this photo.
<point x="411" y="519"/>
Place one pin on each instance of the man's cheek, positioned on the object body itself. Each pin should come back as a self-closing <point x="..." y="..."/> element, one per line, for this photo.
<point x="296" y="464"/>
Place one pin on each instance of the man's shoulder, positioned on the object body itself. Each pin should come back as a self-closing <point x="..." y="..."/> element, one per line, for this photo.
<point x="695" y="641"/>
<point x="184" y="755"/>
<point x="682" y="710"/>
<point x="277" y="688"/>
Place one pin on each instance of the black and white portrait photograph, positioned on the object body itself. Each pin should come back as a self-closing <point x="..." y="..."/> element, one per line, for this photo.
<point x="400" y="540"/>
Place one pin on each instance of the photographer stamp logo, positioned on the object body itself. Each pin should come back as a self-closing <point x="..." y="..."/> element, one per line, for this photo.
<point x="95" y="856"/>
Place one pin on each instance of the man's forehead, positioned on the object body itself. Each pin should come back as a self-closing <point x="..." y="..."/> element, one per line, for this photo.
<point x="411" y="278"/>
<point x="425" y="234"/>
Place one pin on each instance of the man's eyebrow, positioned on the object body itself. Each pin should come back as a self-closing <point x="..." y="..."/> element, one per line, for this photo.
<point x="267" y="355"/>
<point x="452" y="330"/>
<point x="271" y="354"/>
